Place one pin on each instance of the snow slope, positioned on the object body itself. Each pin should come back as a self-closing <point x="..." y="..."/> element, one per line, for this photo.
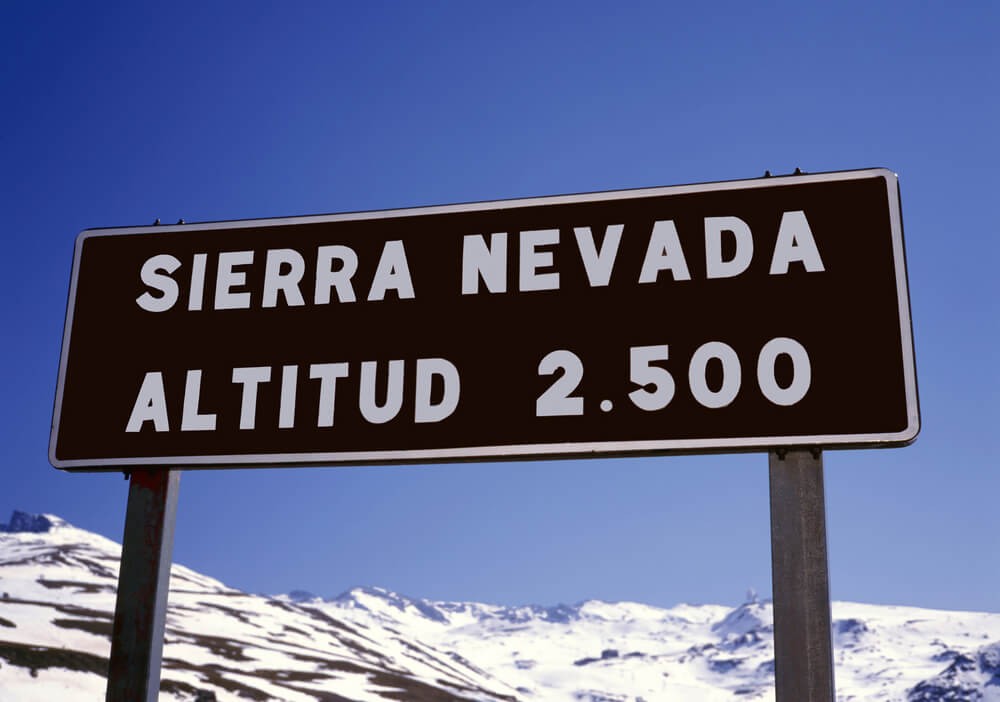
<point x="57" y="588"/>
<point x="57" y="597"/>
<point x="626" y="651"/>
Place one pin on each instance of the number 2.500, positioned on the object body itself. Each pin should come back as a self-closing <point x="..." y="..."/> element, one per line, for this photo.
<point x="657" y="387"/>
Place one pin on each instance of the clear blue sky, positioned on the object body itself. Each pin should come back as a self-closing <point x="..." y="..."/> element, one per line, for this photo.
<point x="119" y="113"/>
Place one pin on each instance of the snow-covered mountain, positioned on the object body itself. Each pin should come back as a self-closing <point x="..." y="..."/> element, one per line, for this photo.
<point x="628" y="652"/>
<point x="57" y="588"/>
<point x="57" y="597"/>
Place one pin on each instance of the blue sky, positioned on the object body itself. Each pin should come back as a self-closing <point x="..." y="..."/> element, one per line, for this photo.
<point x="122" y="113"/>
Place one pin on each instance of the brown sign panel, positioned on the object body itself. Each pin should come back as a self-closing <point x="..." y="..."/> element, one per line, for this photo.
<point x="734" y="316"/>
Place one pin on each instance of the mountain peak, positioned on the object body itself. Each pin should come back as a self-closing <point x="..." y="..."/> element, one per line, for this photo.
<point x="23" y="522"/>
<point x="749" y="618"/>
<point x="373" y="599"/>
<point x="303" y="596"/>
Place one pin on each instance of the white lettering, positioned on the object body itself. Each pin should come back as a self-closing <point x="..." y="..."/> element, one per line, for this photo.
<point x="486" y="261"/>
<point x="370" y="409"/>
<point x="795" y="243"/>
<point x="327" y="277"/>
<point x="731" y="374"/>
<point x="197" y="292"/>
<point x="150" y="405"/>
<point x="714" y="265"/>
<point x="287" y="282"/>
<point x="664" y="253"/>
<point x="227" y="279"/>
<point x="250" y="378"/>
<point x="392" y="273"/>
<point x="598" y="264"/>
<point x="532" y="259"/>
<point x="192" y="419"/>
<point x="327" y="374"/>
<point x="286" y="408"/>
<point x="151" y="275"/>
<point x="801" y="371"/>
<point x="427" y="370"/>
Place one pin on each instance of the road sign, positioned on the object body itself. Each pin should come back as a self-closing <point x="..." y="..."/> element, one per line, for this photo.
<point x="732" y="316"/>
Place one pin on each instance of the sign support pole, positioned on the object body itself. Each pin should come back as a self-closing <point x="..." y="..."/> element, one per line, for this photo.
<point x="803" y="649"/>
<point x="143" y="583"/>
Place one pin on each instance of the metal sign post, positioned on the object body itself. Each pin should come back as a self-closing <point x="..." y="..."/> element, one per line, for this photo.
<point x="803" y="651"/>
<point x="143" y="583"/>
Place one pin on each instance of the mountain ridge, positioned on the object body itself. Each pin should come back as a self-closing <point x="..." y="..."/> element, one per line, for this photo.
<point x="57" y="585"/>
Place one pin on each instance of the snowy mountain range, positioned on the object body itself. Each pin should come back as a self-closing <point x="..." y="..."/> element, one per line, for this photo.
<point x="57" y="596"/>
